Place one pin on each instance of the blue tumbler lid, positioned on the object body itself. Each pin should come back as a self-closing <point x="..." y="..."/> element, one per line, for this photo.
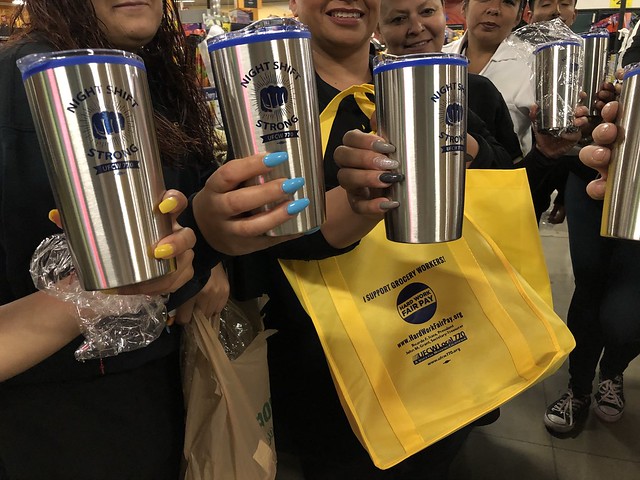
<point x="260" y="31"/>
<point x="558" y="43"/>
<point x="38" y="62"/>
<point x="631" y="70"/>
<point x="596" y="34"/>
<point x="386" y="61"/>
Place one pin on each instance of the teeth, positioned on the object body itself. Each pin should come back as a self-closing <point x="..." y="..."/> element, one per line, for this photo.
<point x="346" y="14"/>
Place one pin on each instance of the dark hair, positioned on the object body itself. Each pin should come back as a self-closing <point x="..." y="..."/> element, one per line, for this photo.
<point x="531" y="2"/>
<point x="183" y="121"/>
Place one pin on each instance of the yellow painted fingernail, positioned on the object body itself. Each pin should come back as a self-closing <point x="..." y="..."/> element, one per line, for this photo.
<point x="168" y="204"/>
<point x="163" y="251"/>
<point x="54" y="215"/>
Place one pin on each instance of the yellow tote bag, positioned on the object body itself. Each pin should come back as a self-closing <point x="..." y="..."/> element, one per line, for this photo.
<point x="498" y="200"/>
<point x="423" y="339"/>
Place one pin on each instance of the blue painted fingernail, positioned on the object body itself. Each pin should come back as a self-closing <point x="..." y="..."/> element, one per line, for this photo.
<point x="312" y="231"/>
<point x="293" y="184"/>
<point x="297" y="206"/>
<point x="276" y="158"/>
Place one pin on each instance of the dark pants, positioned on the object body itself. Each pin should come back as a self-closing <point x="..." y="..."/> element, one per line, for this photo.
<point x="127" y="425"/>
<point x="604" y="315"/>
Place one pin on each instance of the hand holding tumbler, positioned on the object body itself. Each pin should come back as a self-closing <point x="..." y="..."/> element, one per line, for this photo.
<point x="266" y="85"/>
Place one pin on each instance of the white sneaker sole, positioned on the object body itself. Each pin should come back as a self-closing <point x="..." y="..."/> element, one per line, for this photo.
<point x="605" y="417"/>
<point x="557" y="427"/>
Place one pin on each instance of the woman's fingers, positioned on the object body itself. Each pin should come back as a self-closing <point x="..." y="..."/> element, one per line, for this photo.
<point x="247" y="199"/>
<point x="364" y="151"/>
<point x="261" y="223"/>
<point x="179" y="245"/>
<point x="596" y="157"/>
<point x="352" y="178"/>
<point x="595" y="189"/>
<point x="234" y="173"/>
<point x="224" y="207"/>
<point x="610" y="112"/>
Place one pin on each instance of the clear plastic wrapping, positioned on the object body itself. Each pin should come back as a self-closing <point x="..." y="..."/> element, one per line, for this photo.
<point x="236" y="330"/>
<point x="555" y="54"/>
<point x="111" y="324"/>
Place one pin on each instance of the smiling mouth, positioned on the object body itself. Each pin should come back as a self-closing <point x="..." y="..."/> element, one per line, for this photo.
<point x="131" y="4"/>
<point x="343" y="14"/>
<point x="417" y="44"/>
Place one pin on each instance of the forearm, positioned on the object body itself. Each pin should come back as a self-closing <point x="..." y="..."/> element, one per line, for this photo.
<point x="33" y="328"/>
<point x="344" y="227"/>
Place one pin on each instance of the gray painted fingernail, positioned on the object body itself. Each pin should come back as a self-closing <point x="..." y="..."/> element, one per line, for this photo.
<point x="389" y="205"/>
<point x="383" y="147"/>
<point x="385" y="163"/>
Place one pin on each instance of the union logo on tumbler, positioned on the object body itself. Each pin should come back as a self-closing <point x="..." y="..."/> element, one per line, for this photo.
<point x="106" y="123"/>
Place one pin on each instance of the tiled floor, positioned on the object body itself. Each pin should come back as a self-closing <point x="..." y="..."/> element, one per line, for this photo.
<point x="518" y="447"/>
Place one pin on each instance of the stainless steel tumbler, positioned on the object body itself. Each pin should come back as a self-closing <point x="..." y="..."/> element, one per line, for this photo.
<point x="421" y="108"/>
<point x="621" y="212"/>
<point x="266" y="84"/>
<point x="596" y="63"/>
<point x="558" y="83"/>
<point x="93" y="116"/>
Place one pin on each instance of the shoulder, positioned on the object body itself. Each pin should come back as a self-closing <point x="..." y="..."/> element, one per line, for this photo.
<point x="479" y="82"/>
<point x="13" y="101"/>
<point x="455" y="46"/>
<point x="16" y="49"/>
<point x="11" y="52"/>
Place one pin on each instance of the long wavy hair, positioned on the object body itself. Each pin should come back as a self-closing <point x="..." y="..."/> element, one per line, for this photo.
<point x="183" y="121"/>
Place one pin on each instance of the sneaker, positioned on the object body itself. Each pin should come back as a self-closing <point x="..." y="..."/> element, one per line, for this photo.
<point x="609" y="399"/>
<point x="564" y="414"/>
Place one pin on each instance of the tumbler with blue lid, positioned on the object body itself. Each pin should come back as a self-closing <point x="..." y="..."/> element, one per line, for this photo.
<point x="621" y="210"/>
<point x="94" y="120"/>
<point x="421" y="108"/>
<point x="595" y="66"/>
<point x="267" y="90"/>
<point x="558" y="77"/>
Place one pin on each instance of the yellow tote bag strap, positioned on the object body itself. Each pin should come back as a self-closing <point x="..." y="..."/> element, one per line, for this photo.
<point x="328" y="115"/>
<point x="516" y="281"/>
<point x="513" y="338"/>
<point x="390" y="402"/>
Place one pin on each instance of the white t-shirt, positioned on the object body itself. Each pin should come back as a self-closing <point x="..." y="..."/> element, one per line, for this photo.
<point x="512" y="77"/>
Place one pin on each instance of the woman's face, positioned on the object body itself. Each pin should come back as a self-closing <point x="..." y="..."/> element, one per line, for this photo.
<point x="129" y="24"/>
<point x="341" y="23"/>
<point x="412" y="26"/>
<point x="491" y="21"/>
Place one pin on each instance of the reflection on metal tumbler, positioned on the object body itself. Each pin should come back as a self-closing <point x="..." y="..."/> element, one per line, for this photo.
<point x="93" y="115"/>
<point x="267" y="89"/>
<point x="558" y="84"/>
<point x="421" y="106"/>
<point x="596" y="62"/>
<point x="621" y="212"/>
